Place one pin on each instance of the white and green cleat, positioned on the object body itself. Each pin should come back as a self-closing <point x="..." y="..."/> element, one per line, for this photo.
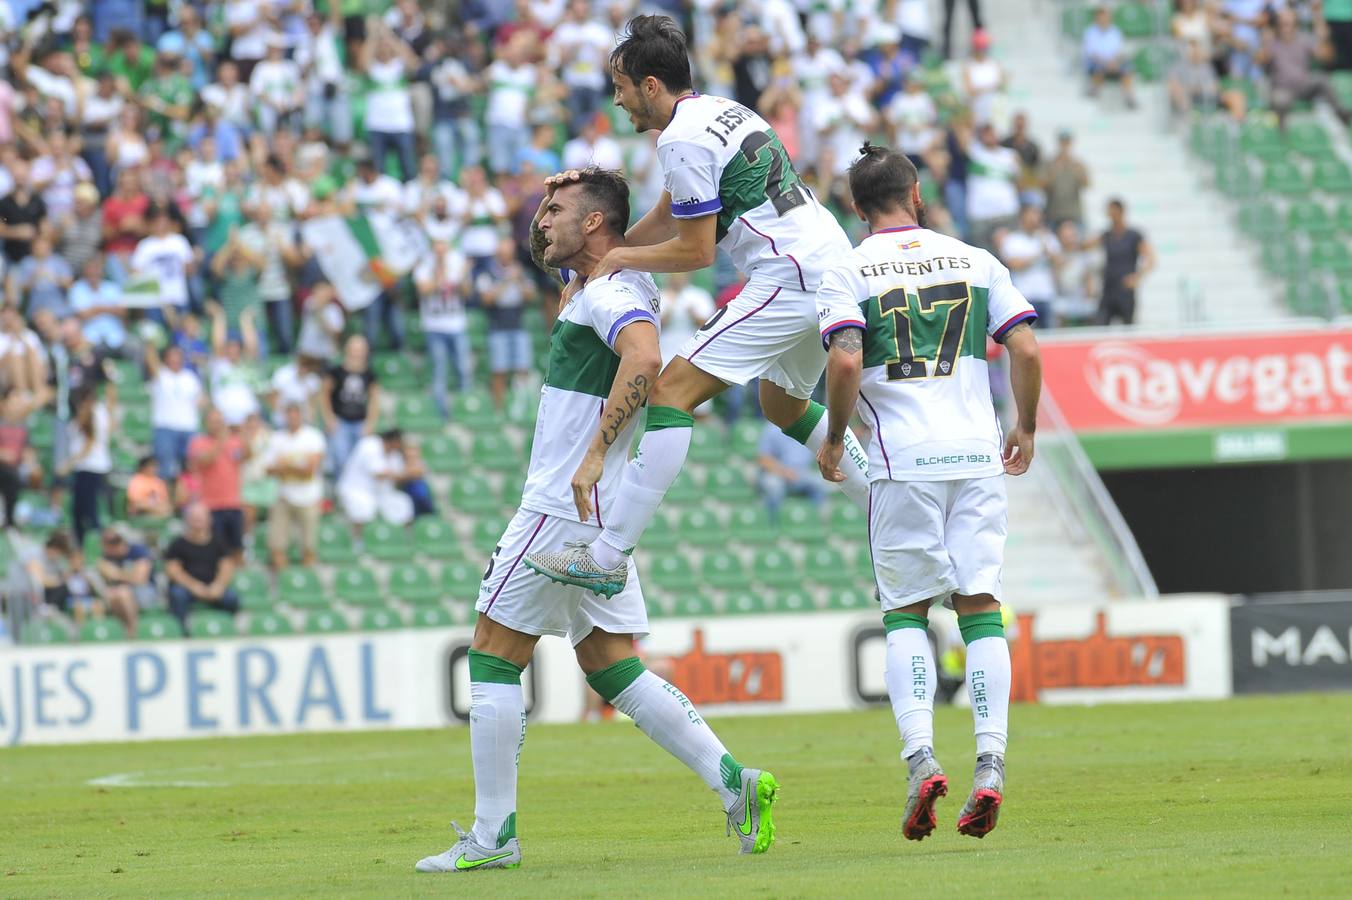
<point x="468" y="855"/>
<point x="574" y="565"/>
<point x="750" y="816"/>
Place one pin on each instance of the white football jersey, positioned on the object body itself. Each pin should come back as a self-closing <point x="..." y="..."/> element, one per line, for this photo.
<point x="926" y="303"/>
<point x="720" y="158"/>
<point x="582" y="367"/>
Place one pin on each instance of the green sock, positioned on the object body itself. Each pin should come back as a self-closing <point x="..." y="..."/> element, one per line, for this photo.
<point x="731" y="770"/>
<point x="895" y="620"/>
<point x="485" y="667"/>
<point x="614" y="678"/>
<point x="801" y="430"/>
<point x="981" y="625"/>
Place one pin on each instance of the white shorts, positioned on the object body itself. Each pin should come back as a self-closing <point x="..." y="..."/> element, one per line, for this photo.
<point x="519" y="598"/>
<point x="931" y="539"/>
<point x="362" y="506"/>
<point x="767" y="331"/>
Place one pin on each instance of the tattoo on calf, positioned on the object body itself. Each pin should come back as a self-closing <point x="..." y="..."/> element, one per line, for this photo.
<point x="851" y="340"/>
<point x="635" y="395"/>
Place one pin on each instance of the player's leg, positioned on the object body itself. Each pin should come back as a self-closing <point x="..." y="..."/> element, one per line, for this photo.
<point x="976" y="528"/>
<point x="912" y="569"/>
<point x="665" y="714"/>
<point x="497" y="731"/>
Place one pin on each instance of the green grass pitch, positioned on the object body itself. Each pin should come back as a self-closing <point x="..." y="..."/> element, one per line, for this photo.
<point x="1238" y="798"/>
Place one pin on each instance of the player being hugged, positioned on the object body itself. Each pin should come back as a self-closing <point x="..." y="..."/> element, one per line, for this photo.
<point x="603" y="359"/>
<point x="906" y="318"/>
<point x="729" y="183"/>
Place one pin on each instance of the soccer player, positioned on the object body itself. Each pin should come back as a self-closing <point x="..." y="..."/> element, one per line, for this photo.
<point x="906" y="317"/>
<point x="728" y="183"/>
<point x="603" y="359"/>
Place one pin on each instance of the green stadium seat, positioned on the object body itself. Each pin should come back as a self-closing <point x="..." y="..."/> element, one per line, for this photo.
<point x="1075" y="19"/>
<point x="746" y="435"/>
<point x="848" y="521"/>
<point x="1135" y="20"/>
<point x="432" y="617"/>
<point x="474" y="409"/>
<point x="395" y="371"/>
<point x="685" y="490"/>
<point x="442" y="454"/>
<point x="254" y="589"/>
<point x="699" y="527"/>
<point x="417" y="415"/>
<point x="324" y="621"/>
<point x="775" y="568"/>
<point x="707" y="445"/>
<point x="157" y="627"/>
<point x="1333" y="177"/>
<point x="1309" y="138"/>
<point x="661" y="534"/>
<point x="269" y="624"/>
<point x="1283" y="259"/>
<point x="673" y="573"/>
<point x="474" y="495"/>
<point x="102" y="630"/>
<point x="386" y="542"/>
<point x="1343" y="216"/>
<point x="42" y="431"/>
<point x="801" y="520"/>
<point x="1286" y="179"/>
<point x="853" y="599"/>
<point x="751" y="525"/>
<point x="1152" y="62"/>
<point x="435" y="539"/>
<point x="1305" y="298"/>
<point x="1309" y="217"/>
<point x="1210" y="140"/>
<point x="694" y="606"/>
<point x="460" y="581"/>
<point x="1345" y="296"/>
<point x="863" y="564"/>
<point x="1331" y="256"/>
<point x="1262" y="141"/>
<point x="335" y="542"/>
<point x="356" y="585"/>
<point x="723" y="570"/>
<point x="824" y="565"/>
<point x="746" y="602"/>
<point x="493" y="451"/>
<point x="1260" y="218"/>
<point x="414" y="584"/>
<point x="791" y="600"/>
<point x="730" y="485"/>
<point x="486" y="534"/>
<point x="380" y="619"/>
<point x="1236" y="181"/>
<point x="208" y="624"/>
<point x="135" y="425"/>
<point x="301" y="588"/>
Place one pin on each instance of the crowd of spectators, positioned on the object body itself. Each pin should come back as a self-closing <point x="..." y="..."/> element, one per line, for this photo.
<point x="159" y="163"/>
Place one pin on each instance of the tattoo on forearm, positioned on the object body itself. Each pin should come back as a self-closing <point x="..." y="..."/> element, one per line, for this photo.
<point x="538" y="243"/>
<point x="851" y="340"/>
<point x="636" y="392"/>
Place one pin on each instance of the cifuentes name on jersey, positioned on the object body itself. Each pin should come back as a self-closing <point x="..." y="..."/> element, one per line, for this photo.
<point x="720" y="158"/>
<point x="582" y="368"/>
<point x="926" y="303"/>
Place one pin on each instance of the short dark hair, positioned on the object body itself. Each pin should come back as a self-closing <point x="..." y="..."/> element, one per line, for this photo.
<point x="608" y="193"/>
<point x="392" y="436"/>
<point x="1117" y="201"/>
<point x="654" y="45"/>
<point x="881" y="180"/>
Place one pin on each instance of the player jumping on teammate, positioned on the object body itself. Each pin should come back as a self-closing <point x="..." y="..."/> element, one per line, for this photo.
<point x="730" y="183"/>
<point x="906" y="319"/>
<point x="603" y="358"/>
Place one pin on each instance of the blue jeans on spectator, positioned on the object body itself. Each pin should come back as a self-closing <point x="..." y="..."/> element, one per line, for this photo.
<point x="99" y="168"/>
<point x="281" y="331"/>
<point x="87" y="489"/>
<point x="170" y="448"/>
<point x="505" y="143"/>
<point x="583" y="103"/>
<point x="383" y="309"/>
<point x="421" y="495"/>
<point x="447" y="350"/>
<point x="341" y="441"/>
<point x="508" y="351"/>
<point x="955" y="198"/>
<point x="774" y="489"/>
<point x="110" y="14"/>
<point x="330" y="112"/>
<point x="181" y="600"/>
<point x="401" y="142"/>
<point x="457" y="143"/>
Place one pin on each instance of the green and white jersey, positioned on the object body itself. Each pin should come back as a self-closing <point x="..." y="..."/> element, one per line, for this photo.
<point x="926" y="303"/>
<point x="720" y="158"/>
<point x="582" y="366"/>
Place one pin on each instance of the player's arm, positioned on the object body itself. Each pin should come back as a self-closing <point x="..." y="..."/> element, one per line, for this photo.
<point x="657" y="225"/>
<point x="1025" y="381"/>
<point x="690" y="206"/>
<point x="640" y="361"/>
<point x="842" y="327"/>
<point x="692" y="248"/>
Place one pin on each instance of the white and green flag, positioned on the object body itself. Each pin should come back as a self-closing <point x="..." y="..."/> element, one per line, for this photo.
<point x="365" y="254"/>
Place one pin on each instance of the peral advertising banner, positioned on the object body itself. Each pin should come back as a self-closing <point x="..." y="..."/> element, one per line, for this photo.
<point x="730" y="665"/>
<point x="1122" y="384"/>
<point x="1284" y="647"/>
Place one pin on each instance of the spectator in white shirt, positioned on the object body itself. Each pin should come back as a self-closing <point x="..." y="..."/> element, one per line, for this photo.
<point x="373" y="190"/>
<point x="369" y="484"/>
<point x="593" y="147"/>
<point x="914" y="120"/>
<point x="276" y="89"/>
<point x="388" y="62"/>
<point x="842" y="123"/>
<point x="1033" y="256"/>
<point x="443" y="283"/>
<point x="982" y="78"/>
<point x="1105" y="56"/>
<point x="90" y="461"/>
<point x="166" y="256"/>
<point x="580" y="47"/>
<point x="513" y="80"/>
<point x="176" y="401"/>
<point x="486" y="219"/>
<point x="296" y="383"/>
<point x="295" y="457"/>
<point x="992" y="186"/>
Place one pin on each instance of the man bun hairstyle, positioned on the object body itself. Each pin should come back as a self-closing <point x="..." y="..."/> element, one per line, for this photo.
<point x="654" y="45"/>
<point x="608" y="193"/>
<point x="881" y="180"/>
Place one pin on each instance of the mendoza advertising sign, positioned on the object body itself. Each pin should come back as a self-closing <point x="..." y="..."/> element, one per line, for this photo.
<point x="1297" y="646"/>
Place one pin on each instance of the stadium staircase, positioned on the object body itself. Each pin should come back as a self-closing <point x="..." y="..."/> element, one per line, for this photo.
<point x="1207" y="270"/>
